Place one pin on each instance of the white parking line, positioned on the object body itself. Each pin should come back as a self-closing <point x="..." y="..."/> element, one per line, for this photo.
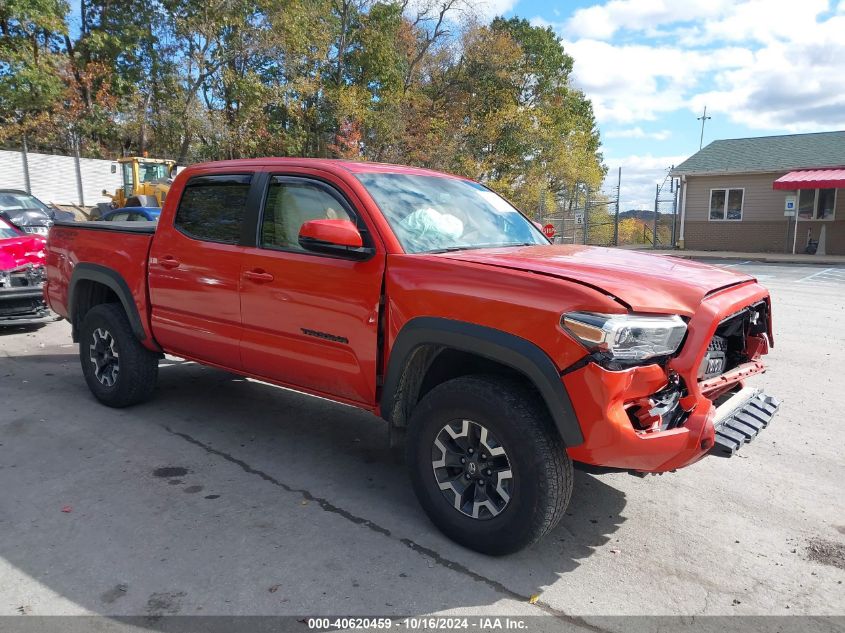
<point x="815" y="274"/>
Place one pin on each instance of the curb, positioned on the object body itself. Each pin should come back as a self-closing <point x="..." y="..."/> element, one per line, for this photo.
<point x="761" y="258"/>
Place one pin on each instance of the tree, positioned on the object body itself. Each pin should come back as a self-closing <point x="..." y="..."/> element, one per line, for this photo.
<point x="31" y="83"/>
<point x="422" y="82"/>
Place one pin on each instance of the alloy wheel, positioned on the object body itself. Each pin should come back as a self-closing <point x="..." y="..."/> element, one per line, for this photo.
<point x="104" y="357"/>
<point x="472" y="469"/>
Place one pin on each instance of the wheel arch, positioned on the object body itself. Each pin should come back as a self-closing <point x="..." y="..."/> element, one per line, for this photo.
<point x="93" y="284"/>
<point x="425" y="339"/>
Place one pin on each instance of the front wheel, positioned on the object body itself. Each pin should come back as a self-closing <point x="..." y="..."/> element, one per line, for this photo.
<point x="119" y="370"/>
<point x="487" y="464"/>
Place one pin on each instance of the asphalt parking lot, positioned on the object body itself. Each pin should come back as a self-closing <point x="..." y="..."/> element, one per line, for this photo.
<point x="227" y="496"/>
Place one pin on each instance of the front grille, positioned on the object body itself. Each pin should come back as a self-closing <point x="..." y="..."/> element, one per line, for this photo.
<point x="728" y="347"/>
<point x="28" y="277"/>
<point x="37" y="230"/>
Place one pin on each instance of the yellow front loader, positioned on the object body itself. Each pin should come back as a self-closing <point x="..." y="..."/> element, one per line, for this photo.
<point x="146" y="182"/>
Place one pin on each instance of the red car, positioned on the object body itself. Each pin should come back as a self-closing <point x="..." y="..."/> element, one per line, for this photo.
<point x="428" y="299"/>
<point x="21" y="277"/>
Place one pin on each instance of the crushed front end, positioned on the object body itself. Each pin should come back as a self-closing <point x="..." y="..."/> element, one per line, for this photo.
<point x="672" y="411"/>
<point x="22" y="262"/>
<point x="22" y="297"/>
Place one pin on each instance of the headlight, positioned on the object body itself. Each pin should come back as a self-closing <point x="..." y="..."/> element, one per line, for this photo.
<point x="631" y="337"/>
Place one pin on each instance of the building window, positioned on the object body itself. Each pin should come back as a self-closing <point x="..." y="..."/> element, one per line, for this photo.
<point x="726" y="204"/>
<point x="816" y="204"/>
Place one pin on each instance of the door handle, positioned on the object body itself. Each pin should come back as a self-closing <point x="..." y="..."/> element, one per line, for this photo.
<point x="258" y="275"/>
<point x="169" y="262"/>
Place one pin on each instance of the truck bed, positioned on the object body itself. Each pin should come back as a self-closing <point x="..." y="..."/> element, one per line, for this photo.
<point x="94" y="250"/>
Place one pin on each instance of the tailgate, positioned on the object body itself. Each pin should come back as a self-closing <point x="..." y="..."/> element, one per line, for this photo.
<point x="114" y="252"/>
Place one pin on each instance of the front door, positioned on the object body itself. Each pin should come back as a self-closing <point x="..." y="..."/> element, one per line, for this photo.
<point x="195" y="271"/>
<point x="310" y="320"/>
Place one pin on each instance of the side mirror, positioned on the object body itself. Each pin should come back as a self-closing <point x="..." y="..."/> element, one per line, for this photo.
<point x="334" y="237"/>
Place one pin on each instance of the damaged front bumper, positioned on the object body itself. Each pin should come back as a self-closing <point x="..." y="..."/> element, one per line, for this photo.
<point x="24" y="306"/>
<point x="740" y="418"/>
<point x="629" y="422"/>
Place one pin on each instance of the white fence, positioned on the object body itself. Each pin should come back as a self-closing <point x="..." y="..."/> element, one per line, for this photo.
<point x="55" y="178"/>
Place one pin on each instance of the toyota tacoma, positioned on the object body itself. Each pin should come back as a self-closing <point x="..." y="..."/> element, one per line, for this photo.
<point x="497" y="358"/>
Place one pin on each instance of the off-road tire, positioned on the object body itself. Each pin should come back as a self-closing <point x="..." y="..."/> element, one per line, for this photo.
<point x="136" y="379"/>
<point x="542" y="470"/>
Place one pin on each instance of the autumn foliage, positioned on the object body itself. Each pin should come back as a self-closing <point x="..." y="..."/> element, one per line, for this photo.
<point x="423" y="82"/>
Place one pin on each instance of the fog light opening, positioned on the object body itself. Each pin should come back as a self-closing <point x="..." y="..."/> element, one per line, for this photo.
<point x="660" y="411"/>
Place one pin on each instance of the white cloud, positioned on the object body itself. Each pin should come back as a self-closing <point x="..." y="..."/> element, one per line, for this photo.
<point x="796" y="85"/>
<point x="603" y="21"/>
<point x="635" y="82"/>
<point x="766" y="64"/>
<point x="492" y="8"/>
<point x="637" y="132"/>
<point x="763" y="21"/>
<point x="774" y="65"/>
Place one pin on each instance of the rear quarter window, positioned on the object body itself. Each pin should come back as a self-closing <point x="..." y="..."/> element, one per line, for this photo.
<point x="212" y="208"/>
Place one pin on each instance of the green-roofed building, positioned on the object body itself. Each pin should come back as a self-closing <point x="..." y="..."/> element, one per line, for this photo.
<point x="765" y="194"/>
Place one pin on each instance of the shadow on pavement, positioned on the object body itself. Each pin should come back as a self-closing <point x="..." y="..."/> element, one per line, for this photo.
<point x="228" y="496"/>
<point x="7" y="330"/>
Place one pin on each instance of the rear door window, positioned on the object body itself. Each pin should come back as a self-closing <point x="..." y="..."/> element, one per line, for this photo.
<point x="212" y="208"/>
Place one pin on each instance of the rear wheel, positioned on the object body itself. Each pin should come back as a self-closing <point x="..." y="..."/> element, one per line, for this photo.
<point x="119" y="370"/>
<point x="487" y="464"/>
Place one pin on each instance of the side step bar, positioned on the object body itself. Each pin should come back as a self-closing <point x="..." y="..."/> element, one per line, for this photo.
<point x="741" y="418"/>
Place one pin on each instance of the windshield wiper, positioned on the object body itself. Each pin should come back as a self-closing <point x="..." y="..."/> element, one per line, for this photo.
<point x="468" y="247"/>
<point x="450" y="249"/>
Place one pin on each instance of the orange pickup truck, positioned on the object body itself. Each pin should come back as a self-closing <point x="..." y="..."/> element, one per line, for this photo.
<point x="497" y="358"/>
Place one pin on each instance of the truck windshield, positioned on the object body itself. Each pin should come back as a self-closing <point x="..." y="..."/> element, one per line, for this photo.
<point x="437" y="213"/>
<point x="152" y="172"/>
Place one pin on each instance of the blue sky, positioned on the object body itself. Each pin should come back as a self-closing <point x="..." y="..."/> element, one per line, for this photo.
<point x="650" y="66"/>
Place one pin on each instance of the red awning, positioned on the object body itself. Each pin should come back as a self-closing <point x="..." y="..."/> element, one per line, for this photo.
<point x="811" y="179"/>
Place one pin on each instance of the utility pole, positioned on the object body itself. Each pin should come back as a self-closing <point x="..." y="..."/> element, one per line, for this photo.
<point x="586" y="212"/>
<point x="25" y="160"/>
<point x="702" y="118"/>
<point x="75" y="141"/>
<point x="656" y="211"/>
<point x="675" y="212"/>
<point x="616" y="215"/>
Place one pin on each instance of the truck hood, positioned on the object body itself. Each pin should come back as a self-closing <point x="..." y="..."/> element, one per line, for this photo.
<point x="645" y="282"/>
<point x="16" y="252"/>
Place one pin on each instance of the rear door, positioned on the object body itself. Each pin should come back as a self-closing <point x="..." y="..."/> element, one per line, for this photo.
<point x="195" y="269"/>
<point x="310" y="320"/>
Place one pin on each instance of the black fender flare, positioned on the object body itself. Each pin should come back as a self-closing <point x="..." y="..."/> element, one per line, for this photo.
<point x="497" y="345"/>
<point x="114" y="281"/>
